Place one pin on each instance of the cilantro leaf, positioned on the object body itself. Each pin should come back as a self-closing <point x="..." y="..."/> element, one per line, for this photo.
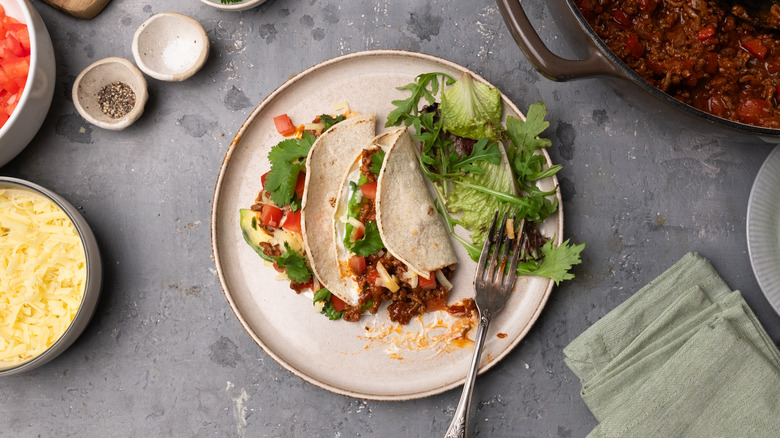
<point x="287" y="159"/>
<point x="370" y="243"/>
<point x="558" y="260"/>
<point x="323" y="295"/>
<point x="294" y="265"/>
<point x="329" y="121"/>
<point x="376" y="162"/>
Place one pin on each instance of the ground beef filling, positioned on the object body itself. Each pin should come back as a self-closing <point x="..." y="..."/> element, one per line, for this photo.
<point x="697" y="52"/>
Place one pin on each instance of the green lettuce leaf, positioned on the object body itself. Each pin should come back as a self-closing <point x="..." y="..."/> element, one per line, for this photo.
<point x="478" y="207"/>
<point x="471" y="109"/>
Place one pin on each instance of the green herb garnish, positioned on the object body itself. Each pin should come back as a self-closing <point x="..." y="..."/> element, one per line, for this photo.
<point x="329" y="121"/>
<point x="287" y="159"/>
<point x="473" y="184"/>
<point x="323" y="295"/>
<point x="294" y="265"/>
<point x="370" y="243"/>
<point x="376" y="162"/>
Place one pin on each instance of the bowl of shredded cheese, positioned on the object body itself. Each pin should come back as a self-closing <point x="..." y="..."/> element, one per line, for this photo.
<point x="50" y="275"/>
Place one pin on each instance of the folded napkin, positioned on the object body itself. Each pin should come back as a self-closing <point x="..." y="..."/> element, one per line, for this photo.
<point x="684" y="357"/>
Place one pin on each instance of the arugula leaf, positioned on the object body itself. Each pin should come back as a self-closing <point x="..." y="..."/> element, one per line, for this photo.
<point x="287" y="159"/>
<point x="230" y="2"/>
<point x="294" y="265"/>
<point x="472" y="109"/>
<point x="370" y="243"/>
<point x="524" y="140"/>
<point x="425" y="86"/>
<point x="323" y="295"/>
<point x="329" y="121"/>
<point x="376" y="162"/>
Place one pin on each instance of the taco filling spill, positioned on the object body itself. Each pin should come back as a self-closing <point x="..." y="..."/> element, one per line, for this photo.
<point x="390" y="243"/>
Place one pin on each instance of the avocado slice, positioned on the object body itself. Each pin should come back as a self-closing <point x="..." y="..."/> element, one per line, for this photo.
<point x="252" y="234"/>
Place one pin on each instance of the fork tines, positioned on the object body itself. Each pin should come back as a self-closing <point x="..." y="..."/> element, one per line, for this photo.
<point x="504" y="244"/>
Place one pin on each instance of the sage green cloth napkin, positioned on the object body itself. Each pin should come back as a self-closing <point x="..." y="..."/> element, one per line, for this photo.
<point x="684" y="357"/>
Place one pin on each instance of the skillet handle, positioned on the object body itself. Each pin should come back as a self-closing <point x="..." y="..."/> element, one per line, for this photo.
<point x="546" y="62"/>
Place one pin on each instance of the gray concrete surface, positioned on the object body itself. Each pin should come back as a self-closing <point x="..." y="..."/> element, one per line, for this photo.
<point x="165" y="356"/>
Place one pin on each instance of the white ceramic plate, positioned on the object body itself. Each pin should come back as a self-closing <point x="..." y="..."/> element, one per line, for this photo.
<point x="763" y="228"/>
<point x="336" y="355"/>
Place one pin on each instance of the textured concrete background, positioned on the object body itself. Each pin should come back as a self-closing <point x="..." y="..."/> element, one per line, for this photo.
<point x="165" y="356"/>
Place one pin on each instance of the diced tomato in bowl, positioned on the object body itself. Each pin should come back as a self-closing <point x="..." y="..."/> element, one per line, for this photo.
<point x="26" y="58"/>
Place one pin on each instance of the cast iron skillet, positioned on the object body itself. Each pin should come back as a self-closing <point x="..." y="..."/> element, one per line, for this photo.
<point x="599" y="61"/>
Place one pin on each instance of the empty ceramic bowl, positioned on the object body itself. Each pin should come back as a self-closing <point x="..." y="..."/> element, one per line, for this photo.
<point x="239" y="5"/>
<point x="35" y="100"/>
<point x="50" y="326"/>
<point x="111" y="93"/>
<point x="170" y="46"/>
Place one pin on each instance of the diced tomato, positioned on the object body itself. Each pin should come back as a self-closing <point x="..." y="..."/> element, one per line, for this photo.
<point x="264" y="178"/>
<point x="13" y="46"/>
<point x="715" y="106"/>
<point x="276" y="266"/>
<point x="357" y="264"/>
<point x="23" y="36"/>
<point x="755" y="47"/>
<point x="16" y="68"/>
<point x="372" y="277"/>
<point x="426" y="283"/>
<point x="706" y="32"/>
<point x="357" y="234"/>
<point x="271" y="215"/>
<point x="752" y="111"/>
<point x="634" y="46"/>
<point x="369" y="190"/>
<point x="300" y="185"/>
<point x="621" y="17"/>
<point x="292" y="222"/>
<point x="14" y="63"/>
<point x="337" y="303"/>
<point x="284" y="125"/>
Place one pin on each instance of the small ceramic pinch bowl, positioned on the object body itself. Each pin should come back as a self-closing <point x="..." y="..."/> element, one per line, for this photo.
<point x="170" y="46"/>
<point x="95" y="78"/>
<point x="92" y="281"/>
<point x="236" y="6"/>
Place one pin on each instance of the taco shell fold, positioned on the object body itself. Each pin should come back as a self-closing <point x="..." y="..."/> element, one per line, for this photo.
<point x="328" y="161"/>
<point x="407" y="219"/>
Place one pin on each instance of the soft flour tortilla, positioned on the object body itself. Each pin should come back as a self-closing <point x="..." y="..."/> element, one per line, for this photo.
<point x="328" y="161"/>
<point x="350" y="290"/>
<point x="406" y="216"/>
<point x="408" y="222"/>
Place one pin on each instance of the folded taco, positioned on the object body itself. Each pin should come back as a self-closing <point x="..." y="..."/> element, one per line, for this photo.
<point x="390" y="242"/>
<point x="326" y="164"/>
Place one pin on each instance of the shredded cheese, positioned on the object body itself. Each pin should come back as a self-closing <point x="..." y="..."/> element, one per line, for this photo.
<point x="387" y="280"/>
<point x="44" y="274"/>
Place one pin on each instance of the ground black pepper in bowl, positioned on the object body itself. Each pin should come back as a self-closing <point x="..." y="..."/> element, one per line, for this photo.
<point x="116" y="99"/>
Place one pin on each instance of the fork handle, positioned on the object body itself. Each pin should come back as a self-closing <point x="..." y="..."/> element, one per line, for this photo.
<point x="458" y="426"/>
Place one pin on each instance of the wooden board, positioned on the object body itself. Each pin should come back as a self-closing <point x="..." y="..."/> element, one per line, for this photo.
<point x="79" y="8"/>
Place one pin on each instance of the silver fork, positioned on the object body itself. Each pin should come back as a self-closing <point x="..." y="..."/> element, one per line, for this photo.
<point x="492" y="285"/>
